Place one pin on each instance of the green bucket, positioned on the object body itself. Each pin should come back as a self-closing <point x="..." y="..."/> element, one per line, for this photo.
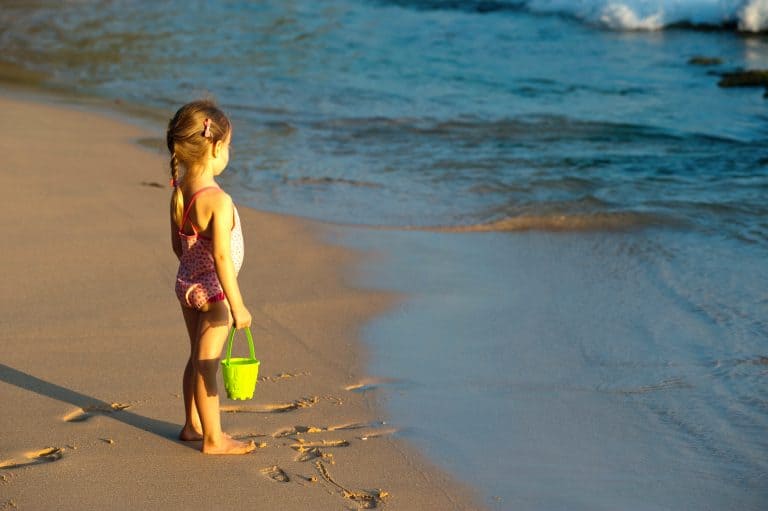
<point x="240" y="374"/>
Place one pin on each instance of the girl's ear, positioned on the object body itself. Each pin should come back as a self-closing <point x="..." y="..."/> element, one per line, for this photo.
<point x="216" y="148"/>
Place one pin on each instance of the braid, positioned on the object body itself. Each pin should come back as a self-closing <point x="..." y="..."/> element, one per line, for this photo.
<point x="177" y="197"/>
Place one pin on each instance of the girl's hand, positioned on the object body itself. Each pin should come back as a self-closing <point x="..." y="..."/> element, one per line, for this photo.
<point x="241" y="317"/>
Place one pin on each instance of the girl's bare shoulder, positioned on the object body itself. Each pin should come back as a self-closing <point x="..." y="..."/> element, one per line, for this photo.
<point x="214" y="198"/>
<point x="217" y="201"/>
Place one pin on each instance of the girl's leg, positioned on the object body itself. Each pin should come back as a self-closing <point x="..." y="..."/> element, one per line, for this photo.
<point x="213" y="327"/>
<point x="192" y="429"/>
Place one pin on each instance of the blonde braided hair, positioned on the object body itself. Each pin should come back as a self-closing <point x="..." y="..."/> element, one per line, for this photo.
<point x="195" y="126"/>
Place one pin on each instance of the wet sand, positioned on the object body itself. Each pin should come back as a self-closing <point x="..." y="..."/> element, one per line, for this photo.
<point x="94" y="345"/>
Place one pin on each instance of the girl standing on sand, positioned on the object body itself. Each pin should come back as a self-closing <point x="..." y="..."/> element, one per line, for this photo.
<point x="207" y="238"/>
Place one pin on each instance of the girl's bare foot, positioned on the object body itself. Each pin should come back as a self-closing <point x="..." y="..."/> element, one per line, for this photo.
<point x="190" y="434"/>
<point x="229" y="445"/>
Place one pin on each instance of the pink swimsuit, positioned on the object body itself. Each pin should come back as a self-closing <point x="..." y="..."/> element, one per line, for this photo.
<point x="196" y="281"/>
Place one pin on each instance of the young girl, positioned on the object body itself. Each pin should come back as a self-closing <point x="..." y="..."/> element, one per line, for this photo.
<point x="207" y="239"/>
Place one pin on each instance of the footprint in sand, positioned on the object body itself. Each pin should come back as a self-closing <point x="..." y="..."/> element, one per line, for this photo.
<point x="305" y="446"/>
<point x="377" y="434"/>
<point x="304" y="402"/>
<point x="312" y="454"/>
<point x="276" y="474"/>
<point x="47" y="455"/>
<point x="369" y="384"/>
<point x="296" y="430"/>
<point x="311" y="450"/>
<point x="365" y="499"/>
<point x="353" y="425"/>
<point x="283" y="376"/>
<point x="83" y="414"/>
<point x="373" y="430"/>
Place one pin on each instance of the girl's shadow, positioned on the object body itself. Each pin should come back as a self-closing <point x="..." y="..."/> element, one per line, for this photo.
<point x="26" y="381"/>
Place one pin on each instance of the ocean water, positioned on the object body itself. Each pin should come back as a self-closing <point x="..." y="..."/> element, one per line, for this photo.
<point x="576" y="213"/>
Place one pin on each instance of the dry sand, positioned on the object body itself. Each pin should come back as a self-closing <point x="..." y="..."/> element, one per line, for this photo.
<point x="93" y="345"/>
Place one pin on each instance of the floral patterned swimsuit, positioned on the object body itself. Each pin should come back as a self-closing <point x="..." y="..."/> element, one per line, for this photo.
<point x="196" y="281"/>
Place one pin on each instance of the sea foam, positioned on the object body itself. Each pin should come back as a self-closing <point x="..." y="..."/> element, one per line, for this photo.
<point x="747" y="15"/>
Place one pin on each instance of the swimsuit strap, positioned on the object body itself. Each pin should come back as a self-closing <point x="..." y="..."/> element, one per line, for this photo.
<point x="189" y="209"/>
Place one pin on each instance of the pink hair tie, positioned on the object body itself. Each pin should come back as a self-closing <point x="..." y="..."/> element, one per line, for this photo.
<point x="207" y="130"/>
<point x="174" y="183"/>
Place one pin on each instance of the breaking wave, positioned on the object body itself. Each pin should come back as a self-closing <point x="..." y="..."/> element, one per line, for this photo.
<point x="586" y="222"/>
<point x="743" y="15"/>
<point x="619" y="221"/>
<point x="746" y="15"/>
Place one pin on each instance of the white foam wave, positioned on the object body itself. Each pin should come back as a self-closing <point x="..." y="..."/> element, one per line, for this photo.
<point x="748" y="15"/>
<point x="753" y="17"/>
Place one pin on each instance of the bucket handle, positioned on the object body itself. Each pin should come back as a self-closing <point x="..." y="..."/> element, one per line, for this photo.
<point x="232" y="338"/>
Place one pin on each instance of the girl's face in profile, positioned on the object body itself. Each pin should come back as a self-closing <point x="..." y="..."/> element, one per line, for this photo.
<point x="221" y="159"/>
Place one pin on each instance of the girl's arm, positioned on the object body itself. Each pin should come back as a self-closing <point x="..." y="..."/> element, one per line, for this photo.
<point x="222" y="222"/>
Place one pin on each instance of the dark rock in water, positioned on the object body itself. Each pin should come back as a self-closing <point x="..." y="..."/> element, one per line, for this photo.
<point x="750" y="78"/>
<point x="700" y="60"/>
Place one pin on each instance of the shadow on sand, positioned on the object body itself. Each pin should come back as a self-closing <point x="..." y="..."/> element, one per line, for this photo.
<point x="31" y="383"/>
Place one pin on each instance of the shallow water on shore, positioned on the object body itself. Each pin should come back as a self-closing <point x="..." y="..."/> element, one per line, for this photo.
<point x="579" y="371"/>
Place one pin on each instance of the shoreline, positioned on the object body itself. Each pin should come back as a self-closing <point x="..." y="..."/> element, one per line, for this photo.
<point x="95" y="344"/>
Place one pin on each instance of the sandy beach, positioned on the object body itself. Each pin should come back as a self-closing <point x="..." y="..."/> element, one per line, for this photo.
<point x="94" y="345"/>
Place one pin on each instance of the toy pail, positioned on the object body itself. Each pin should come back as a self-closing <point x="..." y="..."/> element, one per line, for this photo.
<point x="240" y="374"/>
